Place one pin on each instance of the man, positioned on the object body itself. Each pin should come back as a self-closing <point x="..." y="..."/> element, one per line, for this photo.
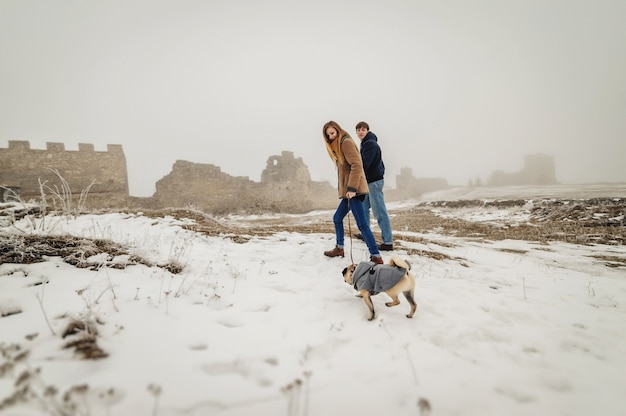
<point x="374" y="173"/>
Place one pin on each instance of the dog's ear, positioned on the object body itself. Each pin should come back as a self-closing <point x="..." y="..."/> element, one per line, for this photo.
<point x="345" y="270"/>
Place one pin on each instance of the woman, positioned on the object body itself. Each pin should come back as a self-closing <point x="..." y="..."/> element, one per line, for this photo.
<point x="352" y="188"/>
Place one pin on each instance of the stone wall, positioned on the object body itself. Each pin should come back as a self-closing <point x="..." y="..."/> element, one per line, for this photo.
<point x="285" y="186"/>
<point x="24" y="168"/>
<point x="203" y="186"/>
<point x="408" y="186"/>
<point x="538" y="170"/>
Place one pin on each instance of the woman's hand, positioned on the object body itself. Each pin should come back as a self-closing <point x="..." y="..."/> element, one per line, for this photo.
<point x="350" y="194"/>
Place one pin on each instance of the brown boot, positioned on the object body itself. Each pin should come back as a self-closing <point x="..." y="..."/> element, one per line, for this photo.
<point x="385" y="247"/>
<point x="377" y="259"/>
<point x="335" y="252"/>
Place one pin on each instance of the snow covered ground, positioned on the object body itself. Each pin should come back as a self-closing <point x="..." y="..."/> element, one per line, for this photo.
<point x="269" y="327"/>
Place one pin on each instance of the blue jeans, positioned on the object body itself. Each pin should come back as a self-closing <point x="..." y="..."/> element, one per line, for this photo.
<point x="376" y="201"/>
<point x="358" y="211"/>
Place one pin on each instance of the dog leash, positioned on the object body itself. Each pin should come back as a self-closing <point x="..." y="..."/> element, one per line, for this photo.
<point x="350" y="232"/>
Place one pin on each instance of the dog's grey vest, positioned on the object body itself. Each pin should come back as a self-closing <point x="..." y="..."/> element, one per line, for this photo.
<point x="376" y="278"/>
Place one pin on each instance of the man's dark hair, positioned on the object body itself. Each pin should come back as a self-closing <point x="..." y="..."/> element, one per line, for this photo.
<point x="362" y="124"/>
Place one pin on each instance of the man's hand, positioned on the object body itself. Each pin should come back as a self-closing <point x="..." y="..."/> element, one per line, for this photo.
<point x="350" y="194"/>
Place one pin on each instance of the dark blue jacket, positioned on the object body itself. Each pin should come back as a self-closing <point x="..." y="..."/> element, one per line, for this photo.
<point x="372" y="158"/>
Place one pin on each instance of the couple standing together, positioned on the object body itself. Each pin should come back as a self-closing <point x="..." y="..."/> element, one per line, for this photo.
<point x="360" y="186"/>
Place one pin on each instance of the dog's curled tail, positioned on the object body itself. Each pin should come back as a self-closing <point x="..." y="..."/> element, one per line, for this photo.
<point x="400" y="262"/>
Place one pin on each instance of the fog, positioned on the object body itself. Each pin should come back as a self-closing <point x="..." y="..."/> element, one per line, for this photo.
<point x="453" y="89"/>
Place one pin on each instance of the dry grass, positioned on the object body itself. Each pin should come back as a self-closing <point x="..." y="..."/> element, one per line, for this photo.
<point x="24" y="249"/>
<point x="83" y="339"/>
<point x="612" y="261"/>
<point x="597" y="221"/>
<point x="591" y="221"/>
<point x="27" y="249"/>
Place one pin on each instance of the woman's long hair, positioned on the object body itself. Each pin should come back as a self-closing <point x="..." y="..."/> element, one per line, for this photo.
<point x="334" y="147"/>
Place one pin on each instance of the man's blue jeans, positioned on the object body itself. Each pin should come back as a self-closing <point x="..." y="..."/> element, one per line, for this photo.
<point x="376" y="202"/>
<point x="361" y="220"/>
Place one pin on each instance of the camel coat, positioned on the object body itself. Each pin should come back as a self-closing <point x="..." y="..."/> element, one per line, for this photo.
<point x="351" y="174"/>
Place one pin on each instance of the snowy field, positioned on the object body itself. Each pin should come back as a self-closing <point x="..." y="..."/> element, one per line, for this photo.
<point x="269" y="327"/>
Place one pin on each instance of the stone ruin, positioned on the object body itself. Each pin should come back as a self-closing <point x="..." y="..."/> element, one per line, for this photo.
<point x="24" y="170"/>
<point x="538" y="170"/>
<point x="408" y="186"/>
<point x="285" y="185"/>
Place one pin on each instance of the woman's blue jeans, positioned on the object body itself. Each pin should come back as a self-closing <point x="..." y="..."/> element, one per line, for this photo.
<point x="376" y="201"/>
<point x="362" y="223"/>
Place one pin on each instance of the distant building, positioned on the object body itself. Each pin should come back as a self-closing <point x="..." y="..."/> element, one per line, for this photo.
<point x="27" y="169"/>
<point x="408" y="186"/>
<point x="285" y="186"/>
<point x="538" y="170"/>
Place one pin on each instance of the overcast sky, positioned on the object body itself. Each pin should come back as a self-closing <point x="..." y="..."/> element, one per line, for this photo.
<point x="453" y="88"/>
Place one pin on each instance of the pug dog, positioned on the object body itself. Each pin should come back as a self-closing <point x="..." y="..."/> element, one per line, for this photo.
<point x="369" y="279"/>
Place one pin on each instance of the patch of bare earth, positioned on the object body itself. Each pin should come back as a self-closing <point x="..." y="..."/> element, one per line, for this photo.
<point x="590" y="221"/>
<point x="597" y="220"/>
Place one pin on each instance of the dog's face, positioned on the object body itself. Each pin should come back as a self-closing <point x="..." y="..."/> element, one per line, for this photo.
<point x="347" y="273"/>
